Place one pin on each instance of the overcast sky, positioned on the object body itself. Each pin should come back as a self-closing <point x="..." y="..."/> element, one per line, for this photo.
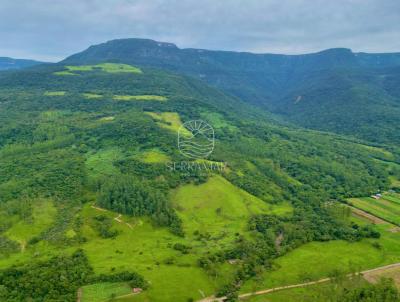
<point x="53" y="29"/>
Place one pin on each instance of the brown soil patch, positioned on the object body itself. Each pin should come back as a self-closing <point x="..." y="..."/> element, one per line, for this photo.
<point x="393" y="273"/>
<point x="394" y="230"/>
<point x="370" y="217"/>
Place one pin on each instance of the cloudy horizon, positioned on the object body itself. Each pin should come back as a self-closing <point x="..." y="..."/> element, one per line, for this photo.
<point x="52" y="30"/>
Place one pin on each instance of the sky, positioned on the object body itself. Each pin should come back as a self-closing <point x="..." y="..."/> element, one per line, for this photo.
<point x="50" y="30"/>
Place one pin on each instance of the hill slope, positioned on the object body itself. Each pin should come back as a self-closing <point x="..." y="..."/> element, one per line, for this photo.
<point x="86" y="162"/>
<point x="335" y="90"/>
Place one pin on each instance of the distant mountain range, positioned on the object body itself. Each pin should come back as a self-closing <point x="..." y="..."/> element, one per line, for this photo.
<point x="10" y="63"/>
<point x="333" y="90"/>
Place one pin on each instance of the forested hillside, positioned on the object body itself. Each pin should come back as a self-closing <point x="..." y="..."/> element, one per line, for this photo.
<point x="10" y="63"/>
<point x="332" y="90"/>
<point x="85" y="170"/>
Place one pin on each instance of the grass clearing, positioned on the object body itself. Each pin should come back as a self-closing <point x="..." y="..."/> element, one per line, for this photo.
<point x="217" y="120"/>
<point x="144" y="97"/>
<point x="104" y="291"/>
<point x="107" y="119"/>
<point x="394" y="181"/>
<point x="145" y="249"/>
<point x="92" y="95"/>
<point x="387" y="207"/>
<point x="42" y="218"/>
<point x="101" y="163"/>
<point x="154" y="156"/>
<point x="64" y="73"/>
<point x="168" y="120"/>
<point x="317" y="260"/>
<point x="106" y="67"/>
<point x="219" y="208"/>
<point x="54" y="93"/>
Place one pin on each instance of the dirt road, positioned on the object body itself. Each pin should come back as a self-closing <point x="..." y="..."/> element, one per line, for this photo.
<point x="275" y="289"/>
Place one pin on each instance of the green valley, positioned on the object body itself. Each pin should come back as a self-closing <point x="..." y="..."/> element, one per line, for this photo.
<point x="98" y="202"/>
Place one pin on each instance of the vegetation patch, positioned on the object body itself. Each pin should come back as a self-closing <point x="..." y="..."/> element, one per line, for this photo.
<point x="64" y="73"/>
<point x="105" y="291"/>
<point x="317" y="260"/>
<point x="101" y="163"/>
<point x="168" y="120"/>
<point x="149" y="251"/>
<point x="220" y="208"/>
<point x="217" y="120"/>
<point x="42" y="217"/>
<point x="106" y="67"/>
<point x="54" y="93"/>
<point x="386" y="207"/>
<point x="92" y="95"/>
<point x="154" y="156"/>
<point x="107" y="119"/>
<point x="144" y="97"/>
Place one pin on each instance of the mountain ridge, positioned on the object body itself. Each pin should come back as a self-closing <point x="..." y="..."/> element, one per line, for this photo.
<point x="7" y="63"/>
<point x="332" y="85"/>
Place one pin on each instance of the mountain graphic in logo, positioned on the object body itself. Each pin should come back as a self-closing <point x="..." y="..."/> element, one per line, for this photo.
<point x="196" y="139"/>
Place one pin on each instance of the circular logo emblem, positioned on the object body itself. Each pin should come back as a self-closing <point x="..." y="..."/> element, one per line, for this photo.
<point x="196" y="139"/>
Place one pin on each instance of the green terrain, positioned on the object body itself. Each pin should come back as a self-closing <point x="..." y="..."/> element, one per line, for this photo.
<point x="95" y="194"/>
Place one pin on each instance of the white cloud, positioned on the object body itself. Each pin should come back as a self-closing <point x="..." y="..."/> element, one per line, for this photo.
<point x="48" y="29"/>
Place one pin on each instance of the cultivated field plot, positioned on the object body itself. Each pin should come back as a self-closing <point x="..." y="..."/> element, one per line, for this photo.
<point x="105" y="291"/>
<point x="386" y="207"/>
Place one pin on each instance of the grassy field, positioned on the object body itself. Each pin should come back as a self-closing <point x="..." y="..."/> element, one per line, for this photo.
<point x="92" y="95"/>
<point x="145" y="97"/>
<point x="216" y="120"/>
<point x="387" y="207"/>
<point x="216" y="207"/>
<point x="147" y="249"/>
<point x="101" y="163"/>
<point x="154" y="156"/>
<point x="106" y="67"/>
<point x="168" y="120"/>
<point x="64" y="73"/>
<point x="42" y="218"/>
<point x="104" y="291"/>
<point x="317" y="260"/>
<point x="107" y="119"/>
<point x="54" y="93"/>
<point x="316" y="293"/>
<point x="219" y="207"/>
<point x="394" y="181"/>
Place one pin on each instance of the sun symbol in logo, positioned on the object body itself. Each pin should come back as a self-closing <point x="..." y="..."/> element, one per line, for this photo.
<point x="196" y="139"/>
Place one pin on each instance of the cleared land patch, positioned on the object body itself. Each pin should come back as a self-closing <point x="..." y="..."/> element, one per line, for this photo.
<point x="144" y="97"/>
<point x="104" y="291"/>
<point x="92" y="95"/>
<point x="64" y="73"/>
<point x="317" y="260"/>
<point x="147" y="249"/>
<point x="42" y="218"/>
<point x="107" y="118"/>
<point x="154" y="156"/>
<point x="105" y="67"/>
<point x="168" y="120"/>
<point x="219" y="207"/>
<point x="387" y="207"/>
<point x="54" y="93"/>
<point x="393" y="273"/>
<point x="101" y="163"/>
